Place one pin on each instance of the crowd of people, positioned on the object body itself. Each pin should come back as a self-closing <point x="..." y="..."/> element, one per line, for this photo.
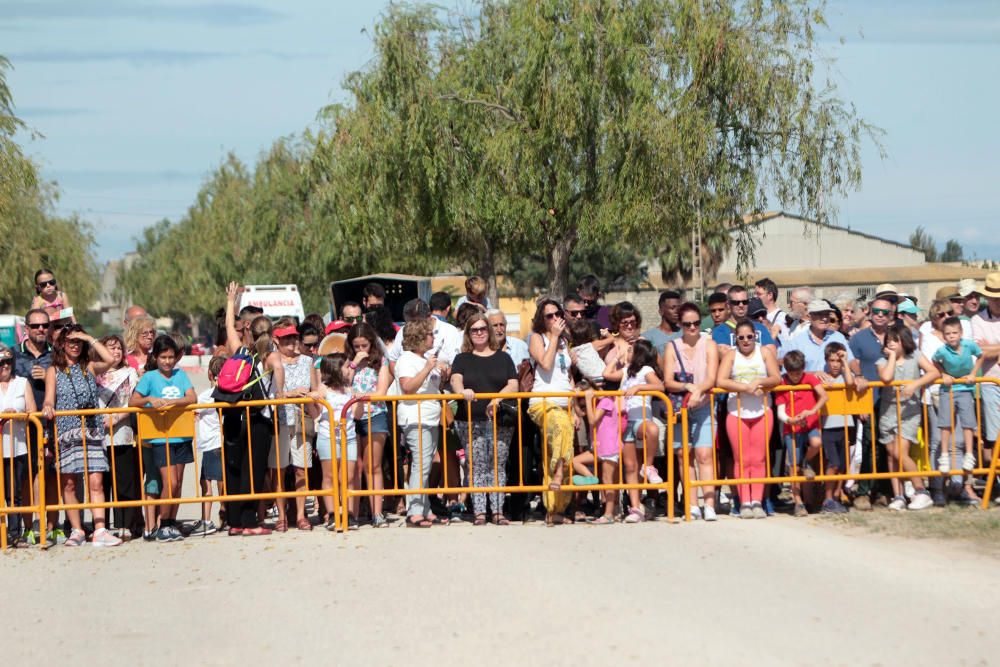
<point x="759" y="385"/>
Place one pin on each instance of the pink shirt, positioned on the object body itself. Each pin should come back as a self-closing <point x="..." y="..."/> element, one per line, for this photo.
<point x="698" y="364"/>
<point x="610" y="428"/>
<point x="986" y="328"/>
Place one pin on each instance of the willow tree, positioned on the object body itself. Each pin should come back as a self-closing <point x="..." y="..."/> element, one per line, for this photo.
<point x="537" y="125"/>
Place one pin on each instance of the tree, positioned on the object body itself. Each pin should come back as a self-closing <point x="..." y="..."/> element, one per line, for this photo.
<point x="924" y="242"/>
<point x="952" y="252"/>
<point x="19" y="173"/>
<point x="542" y="125"/>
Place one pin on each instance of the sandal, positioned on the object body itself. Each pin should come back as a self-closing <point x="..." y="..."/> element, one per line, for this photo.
<point x="501" y="520"/>
<point x="580" y="516"/>
<point x="280" y="527"/>
<point x="76" y="538"/>
<point x="235" y="532"/>
<point x="603" y="520"/>
<point x="434" y="518"/>
<point x="303" y="524"/>
<point x="419" y="523"/>
<point x="259" y="530"/>
<point x="480" y="520"/>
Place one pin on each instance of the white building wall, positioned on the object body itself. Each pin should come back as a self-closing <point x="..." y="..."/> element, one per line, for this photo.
<point x="787" y="243"/>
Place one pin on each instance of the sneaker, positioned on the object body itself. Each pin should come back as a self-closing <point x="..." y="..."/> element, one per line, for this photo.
<point x="808" y="472"/>
<point x="149" y="536"/>
<point x="204" y="528"/>
<point x="921" y="501"/>
<point x="635" y="516"/>
<point x="944" y="463"/>
<point x="57" y="536"/>
<point x="746" y="511"/>
<point x="939" y="498"/>
<point x="378" y="521"/>
<point x="909" y="490"/>
<point x="757" y="511"/>
<point x="862" y="503"/>
<point x="709" y="513"/>
<point x="695" y="512"/>
<point x="898" y="504"/>
<point x="352" y="523"/>
<point x="331" y="523"/>
<point x="652" y="476"/>
<point x="955" y="488"/>
<point x="831" y="506"/>
<point x="968" y="499"/>
<point x="163" y="535"/>
<point x="102" y="538"/>
<point x="969" y="462"/>
<point x="800" y="510"/>
<point x="768" y="507"/>
<point x="30" y="536"/>
<point x="176" y="533"/>
<point x="734" y="511"/>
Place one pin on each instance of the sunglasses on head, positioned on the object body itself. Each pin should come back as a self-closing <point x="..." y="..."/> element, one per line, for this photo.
<point x="739" y="302"/>
<point x="47" y="283"/>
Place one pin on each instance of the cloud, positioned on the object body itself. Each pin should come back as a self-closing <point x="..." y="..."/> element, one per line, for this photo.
<point x="215" y="14"/>
<point x="149" y="57"/>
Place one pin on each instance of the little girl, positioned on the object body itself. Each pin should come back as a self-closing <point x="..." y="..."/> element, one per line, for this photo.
<point x="606" y="420"/>
<point x="48" y="297"/>
<point x="336" y="377"/>
<point x="641" y="432"/>
<point x="168" y="387"/>
<point x="899" y="421"/>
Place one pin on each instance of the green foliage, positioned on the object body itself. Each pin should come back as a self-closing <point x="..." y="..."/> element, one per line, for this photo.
<point x="952" y="251"/>
<point x="618" y="267"/>
<point x="924" y="242"/>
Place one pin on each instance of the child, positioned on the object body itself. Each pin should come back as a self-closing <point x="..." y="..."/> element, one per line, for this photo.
<point x="838" y="430"/>
<point x="208" y="430"/>
<point x="607" y="421"/>
<point x="47" y="294"/>
<point x="641" y="432"/>
<point x="586" y="359"/>
<point x="166" y="388"/>
<point x="958" y="360"/>
<point x="336" y="377"/>
<point x="475" y="293"/>
<point x="798" y="410"/>
<point x="901" y="410"/>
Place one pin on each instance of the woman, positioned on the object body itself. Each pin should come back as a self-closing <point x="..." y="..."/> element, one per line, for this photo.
<point x="16" y="396"/>
<point x="293" y="445"/>
<point x="371" y="378"/>
<point x="932" y="338"/>
<point x="420" y="373"/>
<point x="550" y="354"/>
<point x="483" y="368"/>
<point x="70" y="384"/>
<point x="746" y="371"/>
<point x="247" y="432"/>
<point x="139" y="336"/>
<point x="690" y="365"/>
<point x="114" y="389"/>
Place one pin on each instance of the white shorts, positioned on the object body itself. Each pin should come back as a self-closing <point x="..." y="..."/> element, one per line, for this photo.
<point x="291" y="448"/>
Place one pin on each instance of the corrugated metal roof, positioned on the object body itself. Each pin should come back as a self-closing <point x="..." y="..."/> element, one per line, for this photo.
<point x="770" y="215"/>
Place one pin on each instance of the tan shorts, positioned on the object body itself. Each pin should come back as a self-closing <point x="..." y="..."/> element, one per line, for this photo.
<point x="292" y="448"/>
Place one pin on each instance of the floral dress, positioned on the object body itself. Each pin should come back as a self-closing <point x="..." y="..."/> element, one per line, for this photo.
<point x="81" y="439"/>
<point x="298" y="375"/>
<point x="366" y="382"/>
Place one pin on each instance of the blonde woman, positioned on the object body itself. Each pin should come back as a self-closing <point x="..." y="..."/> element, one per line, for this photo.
<point x="139" y="336"/>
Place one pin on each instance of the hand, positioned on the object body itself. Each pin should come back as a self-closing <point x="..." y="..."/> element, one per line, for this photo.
<point x="492" y="407"/>
<point x="860" y="384"/>
<point x="589" y="395"/>
<point x="843" y="356"/>
<point x="469" y="395"/>
<point x="695" y="397"/>
<point x="631" y="391"/>
<point x="824" y="378"/>
<point x="360" y="356"/>
<point x="946" y="379"/>
<point x="604" y="333"/>
<point x="557" y="328"/>
<point x="431" y="361"/>
<point x="233" y="291"/>
<point x="971" y="378"/>
<point x="296" y="393"/>
<point x="47" y="411"/>
<point x="907" y="391"/>
<point x="37" y="372"/>
<point x="79" y="335"/>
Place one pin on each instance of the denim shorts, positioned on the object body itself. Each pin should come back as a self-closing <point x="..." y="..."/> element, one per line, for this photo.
<point x="699" y="428"/>
<point x="632" y="432"/>
<point x="326" y="454"/>
<point x="796" y="443"/>
<point x="965" y="410"/>
<point x="181" y="453"/>
<point x="211" y="466"/>
<point x="380" y="424"/>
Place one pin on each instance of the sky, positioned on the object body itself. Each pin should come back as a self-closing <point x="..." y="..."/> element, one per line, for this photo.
<point x="134" y="102"/>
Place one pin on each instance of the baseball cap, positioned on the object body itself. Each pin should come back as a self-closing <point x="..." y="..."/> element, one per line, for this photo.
<point x="967" y="286"/>
<point x="818" y="306"/>
<point x="908" y="307"/>
<point x="337" y="325"/>
<point x="756" y="307"/>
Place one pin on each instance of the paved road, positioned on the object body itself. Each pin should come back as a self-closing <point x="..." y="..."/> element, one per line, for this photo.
<point x="767" y="592"/>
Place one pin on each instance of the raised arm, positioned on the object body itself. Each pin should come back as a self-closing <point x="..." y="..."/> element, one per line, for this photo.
<point x="233" y="338"/>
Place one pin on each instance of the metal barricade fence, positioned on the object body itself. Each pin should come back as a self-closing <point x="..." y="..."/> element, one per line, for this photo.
<point x="846" y="402"/>
<point x="446" y="488"/>
<point x="18" y="470"/>
<point x="174" y="425"/>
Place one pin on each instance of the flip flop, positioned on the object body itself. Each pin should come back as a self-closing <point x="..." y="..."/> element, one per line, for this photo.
<point x="422" y="523"/>
<point x="602" y="521"/>
<point x="438" y="520"/>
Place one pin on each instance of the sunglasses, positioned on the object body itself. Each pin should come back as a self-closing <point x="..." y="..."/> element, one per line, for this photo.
<point x="739" y="302"/>
<point x="38" y="325"/>
<point x="311" y="345"/>
<point x="691" y="325"/>
<point x="47" y="283"/>
<point x="354" y="319"/>
<point x="478" y="330"/>
<point x="747" y="337"/>
<point x="552" y="316"/>
<point x="881" y="311"/>
<point x="7" y="361"/>
<point x="575" y="313"/>
<point x="939" y="315"/>
<point x="628" y="324"/>
<point x="59" y="327"/>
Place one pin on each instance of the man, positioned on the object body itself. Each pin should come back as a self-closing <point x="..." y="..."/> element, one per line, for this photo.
<point x="515" y="347"/>
<point x="739" y="304"/>
<point x="888" y="292"/>
<point x="797" y="318"/>
<point x="814" y="340"/>
<point x="867" y="348"/>
<point x="669" y="327"/>
<point x="574" y="307"/>
<point x="134" y="312"/>
<point x="351" y="312"/>
<point x="440" y="304"/>
<point x="372" y="295"/>
<point x="766" y="290"/>
<point x="589" y="288"/>
<point x="968" y="292"/>
<point x="986" y="331"/>
<point x="447" y="338"/>
<point x="718" y="311"/>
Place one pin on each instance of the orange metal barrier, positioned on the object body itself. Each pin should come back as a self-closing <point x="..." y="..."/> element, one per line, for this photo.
<point x="170" y="425"/>
<point x="520" y="487"/>
<point x="846" y="402"/>
<point x="18" y="470"/>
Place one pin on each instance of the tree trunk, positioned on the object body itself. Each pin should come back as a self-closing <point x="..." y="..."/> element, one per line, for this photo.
<point x="558" y="264"/>
<point x="488" y="271"/>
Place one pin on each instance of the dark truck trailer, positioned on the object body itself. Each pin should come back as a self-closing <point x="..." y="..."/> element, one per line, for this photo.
<point x="399" y="288"/>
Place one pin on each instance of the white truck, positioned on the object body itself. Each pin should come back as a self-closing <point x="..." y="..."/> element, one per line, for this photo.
<point x="276" y="300"/>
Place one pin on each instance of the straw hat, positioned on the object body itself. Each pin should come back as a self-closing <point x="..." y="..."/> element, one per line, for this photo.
<point x="947" y="293"/>
<point x="992" y="286"/>
<point x="887" y="291"/>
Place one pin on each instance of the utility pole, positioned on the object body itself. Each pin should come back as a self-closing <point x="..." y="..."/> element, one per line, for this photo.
<point x="697" y="271"/>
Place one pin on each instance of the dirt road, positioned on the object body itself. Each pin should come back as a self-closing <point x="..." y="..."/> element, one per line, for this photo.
<point x="762" y="592"/>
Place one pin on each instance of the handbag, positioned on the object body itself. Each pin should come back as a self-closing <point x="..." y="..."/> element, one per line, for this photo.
<point x="682" y="376"/>
<point x="525" y="376"/>
<point x="507" y="413"/>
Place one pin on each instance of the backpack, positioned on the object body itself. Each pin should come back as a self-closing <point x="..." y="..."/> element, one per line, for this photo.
<point x="238" y="378"/>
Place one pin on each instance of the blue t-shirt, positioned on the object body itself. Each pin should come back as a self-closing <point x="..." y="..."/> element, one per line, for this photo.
<point x="958" y="363"/>
<point x="815" y="353"/>
<point x="659" y="338"/>
<point x="867" y="349"/>
<point x="153" y="384"/>
<point x="725" y="334"/>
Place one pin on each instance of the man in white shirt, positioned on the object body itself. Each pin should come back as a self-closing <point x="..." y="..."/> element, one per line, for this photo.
<point x="798" y="304"/>
<point x="986" y="332"/>
<point x="766" y="290"/>
<point x="447" y="338"/>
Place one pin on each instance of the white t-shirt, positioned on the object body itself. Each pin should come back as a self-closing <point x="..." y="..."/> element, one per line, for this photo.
<point x="556" y="379"/>
<point x="427" y="413"/>
<point x="337" y="401"/>
<point x="634" y="404"/>
<point x="12" y="400"/>
<point x="206" y="424"/>
<point x="929" y="344"/>
<point x="927" y="328"/>
<point x="987" y="329"/>
<point x="590" y="363"/>
<point x="447" y="343"/>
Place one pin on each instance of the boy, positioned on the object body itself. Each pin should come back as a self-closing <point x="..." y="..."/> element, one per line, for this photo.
<point x="959" y="360"/>
<point x="838" y="430"/>
<point x="209" y="434"/>
<point x="475" y="293"/>
<point x="798" y="410"/>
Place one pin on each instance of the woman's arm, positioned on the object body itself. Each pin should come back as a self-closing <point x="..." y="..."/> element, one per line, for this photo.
<point x="189" y="398"/>
<point x="29" y="399"/>
<point x="458" y="386"/>
<point x="137" y="400"/>
<point x="652" y="383"/>
<point x="712" y="367"/>
<point x="234" y="341"/>
<point x="411" y="385"/>
<point x="722" y="379"/>
<point x="49" y="406"/>
<point x="821" y="398"/>
<point x="669" y="368"/>
<point x="97" y="367"/>
<point x="613" y="368"/>
<point x="542" y="356"/>
<point x="930" y="375"/>
<point x="384" y="380"/>
<point x="277" y="374"/>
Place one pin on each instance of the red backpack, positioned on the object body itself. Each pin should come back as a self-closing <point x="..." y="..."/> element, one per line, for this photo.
<point x="237" y="376"/>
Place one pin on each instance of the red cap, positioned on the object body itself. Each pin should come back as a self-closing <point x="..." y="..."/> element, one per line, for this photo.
<point x="285" y="331"/>
<point x="337" y="325"/>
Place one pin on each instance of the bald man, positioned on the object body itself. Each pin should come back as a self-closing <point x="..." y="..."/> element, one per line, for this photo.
<point x="134" y="312"/>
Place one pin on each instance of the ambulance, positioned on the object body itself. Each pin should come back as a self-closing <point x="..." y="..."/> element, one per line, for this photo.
<point x="276" y="300"/>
